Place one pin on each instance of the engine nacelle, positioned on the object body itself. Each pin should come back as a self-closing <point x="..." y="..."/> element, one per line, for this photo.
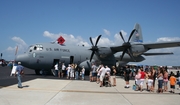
<point x="127" y="58"/>
<point x="104" y="51"/>
<point x="137" y="49"/>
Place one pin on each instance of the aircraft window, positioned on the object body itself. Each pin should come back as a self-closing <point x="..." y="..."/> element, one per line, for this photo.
<point x="35" y="47"/>
<point x="38" y="47"/>
<point x="30" y="48"/>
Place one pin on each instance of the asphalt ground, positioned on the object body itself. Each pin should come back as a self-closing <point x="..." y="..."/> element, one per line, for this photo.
<point x="50" y="90"/>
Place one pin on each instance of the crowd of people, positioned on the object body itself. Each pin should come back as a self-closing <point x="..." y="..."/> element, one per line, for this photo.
<point x="98" y="74"/>
<point x="148" y="75"/>
<point x="105" y="76"/>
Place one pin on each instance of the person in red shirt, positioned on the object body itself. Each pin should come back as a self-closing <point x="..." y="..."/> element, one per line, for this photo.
<point x="142" y="79"/>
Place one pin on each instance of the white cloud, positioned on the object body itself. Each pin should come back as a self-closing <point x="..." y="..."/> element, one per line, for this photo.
<point x="10" y="49"/>
<point x="22" y="46"/>
<point x="168" y="39"/>
<point x="69" y="39"/>
<point x="106" y="32"/>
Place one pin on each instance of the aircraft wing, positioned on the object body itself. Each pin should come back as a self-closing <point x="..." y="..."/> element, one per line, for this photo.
<point x="161" y="45"/>
<point x="117" y="48"/>
<point x="152" y="54"/>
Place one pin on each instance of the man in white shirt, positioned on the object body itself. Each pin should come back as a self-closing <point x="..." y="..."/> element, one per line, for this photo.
<point x="103" y="71"/>
<point x="63" y="70"/>
<point x="56" y="69"/>
<point x="68" y="71"/>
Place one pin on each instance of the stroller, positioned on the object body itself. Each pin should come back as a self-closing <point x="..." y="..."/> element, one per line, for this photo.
<point x="106" y="81"/>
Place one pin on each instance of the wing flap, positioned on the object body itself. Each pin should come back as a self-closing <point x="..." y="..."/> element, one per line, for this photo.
<point x="152" y="54"/>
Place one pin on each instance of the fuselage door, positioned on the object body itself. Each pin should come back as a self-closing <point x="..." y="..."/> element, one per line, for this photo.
<point x="71" y="59"/>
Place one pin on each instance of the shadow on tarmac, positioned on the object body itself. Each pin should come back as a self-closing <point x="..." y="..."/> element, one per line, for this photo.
<point x="7" y="80"/>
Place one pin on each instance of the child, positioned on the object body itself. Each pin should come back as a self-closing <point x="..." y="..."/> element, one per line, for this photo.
<point x="172" y="80"/>
<point x="137" y="80"/>
<point x="83" y="72"/>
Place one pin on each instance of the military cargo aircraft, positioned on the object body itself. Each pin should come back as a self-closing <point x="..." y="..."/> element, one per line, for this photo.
<point x="43" y="56"/>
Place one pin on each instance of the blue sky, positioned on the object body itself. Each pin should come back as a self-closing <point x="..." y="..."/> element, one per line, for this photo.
<point x="26" y="22"/>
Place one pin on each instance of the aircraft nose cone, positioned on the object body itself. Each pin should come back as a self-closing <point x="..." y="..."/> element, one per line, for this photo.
<point x="22" y="58"/>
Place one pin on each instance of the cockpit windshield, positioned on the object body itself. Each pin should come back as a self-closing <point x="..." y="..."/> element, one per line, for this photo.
<point x="37" y="47"/>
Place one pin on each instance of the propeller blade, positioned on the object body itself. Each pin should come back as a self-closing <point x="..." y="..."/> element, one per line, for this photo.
<point x="131" y="34"/>
<point x="130" y="54"/>
<point x="122" y="36"/>
<point x="92" y="54"/>
<point x="89" y="65"/>
<point x="97" y="40"/>
<point x="91" y="41"/>
<point x="123" y="54"/>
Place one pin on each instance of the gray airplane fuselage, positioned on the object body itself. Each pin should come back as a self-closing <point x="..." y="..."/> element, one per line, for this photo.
<point x="46" y="55"/>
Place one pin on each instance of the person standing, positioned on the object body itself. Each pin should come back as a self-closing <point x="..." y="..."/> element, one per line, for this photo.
<point x="83" y="72"/>
<point x="19" y="71"/>
<point x="142" y="78"/>
<point x="102" y="71"/>
<point x="56" y="69"/>
<point x="127" y="76"/>
<point x="72" y="71"/>
<point x="68" y="71"/>
<point x="60" y="69"/>
<point x="160" y="80"/>
<point x="76" y="71"/>
<point x="114" y="75"/>
<point x="63" y="70"/>
<point x="172" y="80"/>
<point x="165" y="79"/>
<point x="93" y="76"/>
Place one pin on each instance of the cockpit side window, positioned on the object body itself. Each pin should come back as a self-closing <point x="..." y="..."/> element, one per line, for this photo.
<point x="30" y="48"/>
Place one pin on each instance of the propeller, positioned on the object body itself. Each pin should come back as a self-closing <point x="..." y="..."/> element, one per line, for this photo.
<point x="127" y="46"/>
<point x="94" y="48"/>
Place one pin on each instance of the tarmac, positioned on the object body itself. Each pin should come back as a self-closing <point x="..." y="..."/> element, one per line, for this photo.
<point x="49" y="90"/>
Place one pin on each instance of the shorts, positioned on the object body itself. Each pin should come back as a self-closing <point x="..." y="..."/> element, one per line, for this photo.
<point x="141" y="82"/>
<point x="94" y="74"/>
<point x="165" y="83"/>
<point x="64" y="71"/>
<point x="101" y="77"/>
<point x="160" y="83"/>
<point x="126" y="78"/>
<point x="137" y="82"/>
<point x="150" y="82"/>
<point x="172" y="86"/>
<point x="178" y="83"/>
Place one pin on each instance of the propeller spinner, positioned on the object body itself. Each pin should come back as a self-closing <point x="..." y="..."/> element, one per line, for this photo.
<point x="94" y="48"/>
<point x="127" y="46"/>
